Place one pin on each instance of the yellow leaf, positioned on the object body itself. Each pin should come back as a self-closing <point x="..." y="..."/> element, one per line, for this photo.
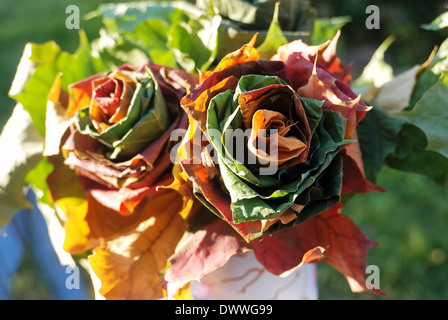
<point x="76" y="227"/>
<point x="184" y="293"/>
<point x="131" y="266"/>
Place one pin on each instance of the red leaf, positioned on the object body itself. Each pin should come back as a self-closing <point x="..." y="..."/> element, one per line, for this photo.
<point x="203" y="252"/>
<point x="353" y="179"/>
<point x="330" y="237"/>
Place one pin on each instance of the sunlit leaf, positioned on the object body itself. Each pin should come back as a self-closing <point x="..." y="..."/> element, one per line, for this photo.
<point x="131" y="266"/>
<point x="38" y="68"/>
<point x="274" y="37"/>
<point x="23" y="146"/>
<point x="438" y="23"/>
<point x="431" y="116"/>
<point x="213" y="246"/>
<point x="376" y="73"/>
<point x="325" y="28"/>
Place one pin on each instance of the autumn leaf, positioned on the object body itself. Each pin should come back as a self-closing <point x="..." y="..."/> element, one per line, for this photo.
<point x="86" y="220"/>
<point x="202" y="252"/>
<point x="354" y="179"/>
<point x="23" y="147"/>
<point x="196" y="102"/>
<point x="329" y="237"/>
<point x="333" y="63"/>
<point x="274" y="37"/>
<point x="246" y="53"/>
<point x="349" y="108"/>
<point x="131" y="266"/>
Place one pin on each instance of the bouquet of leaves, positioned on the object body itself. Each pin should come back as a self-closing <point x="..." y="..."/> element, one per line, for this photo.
<point x="185" y="135"/>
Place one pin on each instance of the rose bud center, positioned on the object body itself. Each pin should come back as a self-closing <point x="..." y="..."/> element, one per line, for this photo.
<point x="270" y="140"/>
<point x="108" y="95"/>
<point x="280" y="133"/>
<point x="111" y="98"/>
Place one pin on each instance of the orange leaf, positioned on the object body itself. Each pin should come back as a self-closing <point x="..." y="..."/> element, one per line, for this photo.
<point x="325" y="54"/>
<point x="196" y="105"/>
<point x="331" y="61"/>
<point x="246" y="53"/>
<point x="80" y="95"/>
<point x="131" y="266"/>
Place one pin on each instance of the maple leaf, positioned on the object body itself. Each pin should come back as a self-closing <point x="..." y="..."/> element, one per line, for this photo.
<point x="202" y="252"/>
<point x="131" y="266"/>
<point x="324" y="54"/>
<point x="329" y="237"/>
<point x="87" y="220"/>
<point x="354" y="178"/>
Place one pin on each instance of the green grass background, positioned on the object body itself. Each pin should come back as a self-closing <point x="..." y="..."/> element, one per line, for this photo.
<point x="409" y="221"/>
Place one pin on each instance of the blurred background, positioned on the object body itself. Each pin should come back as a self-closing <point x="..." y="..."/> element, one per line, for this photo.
<point x="409" y="221"/>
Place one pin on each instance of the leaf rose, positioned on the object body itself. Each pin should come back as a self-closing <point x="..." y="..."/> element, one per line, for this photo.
<point x="277" y="153"/>
<point x="119" y="141"/>
<point x="108" y="139"/>
<point x="270" y="149"/>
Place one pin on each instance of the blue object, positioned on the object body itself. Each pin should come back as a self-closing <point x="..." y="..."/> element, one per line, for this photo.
<point x="28" y="229"/>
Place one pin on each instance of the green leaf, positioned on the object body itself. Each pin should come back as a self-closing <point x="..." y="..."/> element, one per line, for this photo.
<point x="115" y="50"/>
<point x="377" y="72"/>
<point x="253" y="81"/>
<point x="411" y="156"/>
<point x="274" y="38"/>
<point x="293" y="186"/>
<point x="391" y="141"/>
<point x="152" y="37"/>
<point x="438" y="23"/>
<point x="417" y="162"/>
<point x="323" y="194"/>
<point x="170" y="33"/>
<point x="431" y="74"/>
<point x="248" y="15"/>
<point x="124" y="17"/>
<point x="38" y="68"/>
<point x="24" y="147"/>
<point x="326" y="28"/>
<point x="37" y="178"/>
<point x="378" y="138"/>
<point x="195" y="43"/>
<point x="430" y="114"/>
<point x="241" y="19"/>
